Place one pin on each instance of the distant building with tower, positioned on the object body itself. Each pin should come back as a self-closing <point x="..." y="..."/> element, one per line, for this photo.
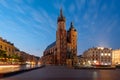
<point x="64" y="50"/>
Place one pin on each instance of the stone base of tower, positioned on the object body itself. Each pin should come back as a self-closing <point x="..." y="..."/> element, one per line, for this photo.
<point x="69" y="63"/>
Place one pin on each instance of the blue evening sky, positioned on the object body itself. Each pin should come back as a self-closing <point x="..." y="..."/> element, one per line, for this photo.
<point x="31" y="24"/>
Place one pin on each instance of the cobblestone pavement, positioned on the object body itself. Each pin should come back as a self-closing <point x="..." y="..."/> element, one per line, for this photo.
<point x="63" y="73"/>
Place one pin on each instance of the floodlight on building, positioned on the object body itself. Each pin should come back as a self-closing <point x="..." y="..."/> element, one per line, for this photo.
<point x="100" y="48"/>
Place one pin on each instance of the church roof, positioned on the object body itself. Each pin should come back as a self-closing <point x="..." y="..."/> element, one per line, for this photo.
<point x="51" y="45"/>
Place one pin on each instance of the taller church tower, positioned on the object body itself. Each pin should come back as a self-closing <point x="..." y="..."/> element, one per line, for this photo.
<point x="61" y="40"/>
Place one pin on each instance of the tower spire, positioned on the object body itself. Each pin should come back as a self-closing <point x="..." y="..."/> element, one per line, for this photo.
<point x="72" y="25"/>
<point x="61" y="13"/>
<point x="61" y="16"/>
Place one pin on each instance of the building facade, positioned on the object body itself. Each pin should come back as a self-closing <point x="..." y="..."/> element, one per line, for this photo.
<point x="6" y="46"/>
<point x="14" y="55"/>
<point x="116" y="57"/>
<point x="26" y="58"/>
<point x="80" y="60"/>
<point x="65" y="46"/>
<point x="98" y="56"/>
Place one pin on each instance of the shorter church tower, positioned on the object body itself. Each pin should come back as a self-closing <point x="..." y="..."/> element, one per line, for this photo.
<point x="72" y="43"/>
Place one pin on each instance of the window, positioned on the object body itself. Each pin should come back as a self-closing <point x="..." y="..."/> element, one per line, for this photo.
<point x="0" y="46"/>
<point x="109" y="54"/>
<point x="101" y="54"/>
<point x="9" y="49"/>
<point x="5" y="48"/>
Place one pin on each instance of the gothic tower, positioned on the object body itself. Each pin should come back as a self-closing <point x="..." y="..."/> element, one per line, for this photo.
<point x="72" y="42"/>
<point x="61" y="40"/>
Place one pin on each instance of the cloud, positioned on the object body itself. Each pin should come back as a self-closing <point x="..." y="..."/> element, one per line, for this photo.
<point x="49" y="19"/>
<point x="35" y="18"/>
<point x="95" y="16"/>
<point x="14" y="6"/>
<point x="25" y="19"/>
<point x="4" y="3"/>
<point x="29" y="1"/>
<point x="112" y="25"/>
<point x="103" y="43"/>
<point x="40" y="21"/>
<point x="107" y="27"/>
<point x="107" y="23"/>
<point x="77" y="19"/>
<point x="93" y="2"/>
<point x="72" y="8"/>
<point x="86" y="16"/>
<point x="38" y="17"/>
<point x="19" y="9"/>
<point x="103" y="7"/>
<point x="59" y="4"/>
<point x="80" y="4"/>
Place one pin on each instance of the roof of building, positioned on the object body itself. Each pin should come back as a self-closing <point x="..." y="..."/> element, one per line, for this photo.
<point x="4" y="40"/>
<point x="51" y="45"/>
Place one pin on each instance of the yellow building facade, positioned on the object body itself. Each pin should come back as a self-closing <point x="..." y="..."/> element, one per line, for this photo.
<point x="11" y="51"/>
<point x="116" y="57"/>
<point x="6" y="46"/>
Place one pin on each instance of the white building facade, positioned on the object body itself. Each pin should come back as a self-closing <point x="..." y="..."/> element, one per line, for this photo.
<point x="98" y="56"/>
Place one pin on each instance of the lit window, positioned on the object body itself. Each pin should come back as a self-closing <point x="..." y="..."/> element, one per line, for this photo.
<point x="95" y="61"/>
<point x="102" y="63"/>
<point x="109" y="63"/>
<point x="105" y="64"/>
<point x="109" y="54"/>
<point x="101" y="54"/>
<point x="105" y="54"/>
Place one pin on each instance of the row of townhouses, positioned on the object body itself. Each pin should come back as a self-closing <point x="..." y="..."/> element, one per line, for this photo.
<point x="10" y="50"/>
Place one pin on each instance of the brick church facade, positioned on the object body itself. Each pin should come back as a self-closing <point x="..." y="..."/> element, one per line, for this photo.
<point x="64" y="49"/>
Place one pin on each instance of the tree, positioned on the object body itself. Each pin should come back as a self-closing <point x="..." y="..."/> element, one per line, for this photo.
<point x="3" y="55"/>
